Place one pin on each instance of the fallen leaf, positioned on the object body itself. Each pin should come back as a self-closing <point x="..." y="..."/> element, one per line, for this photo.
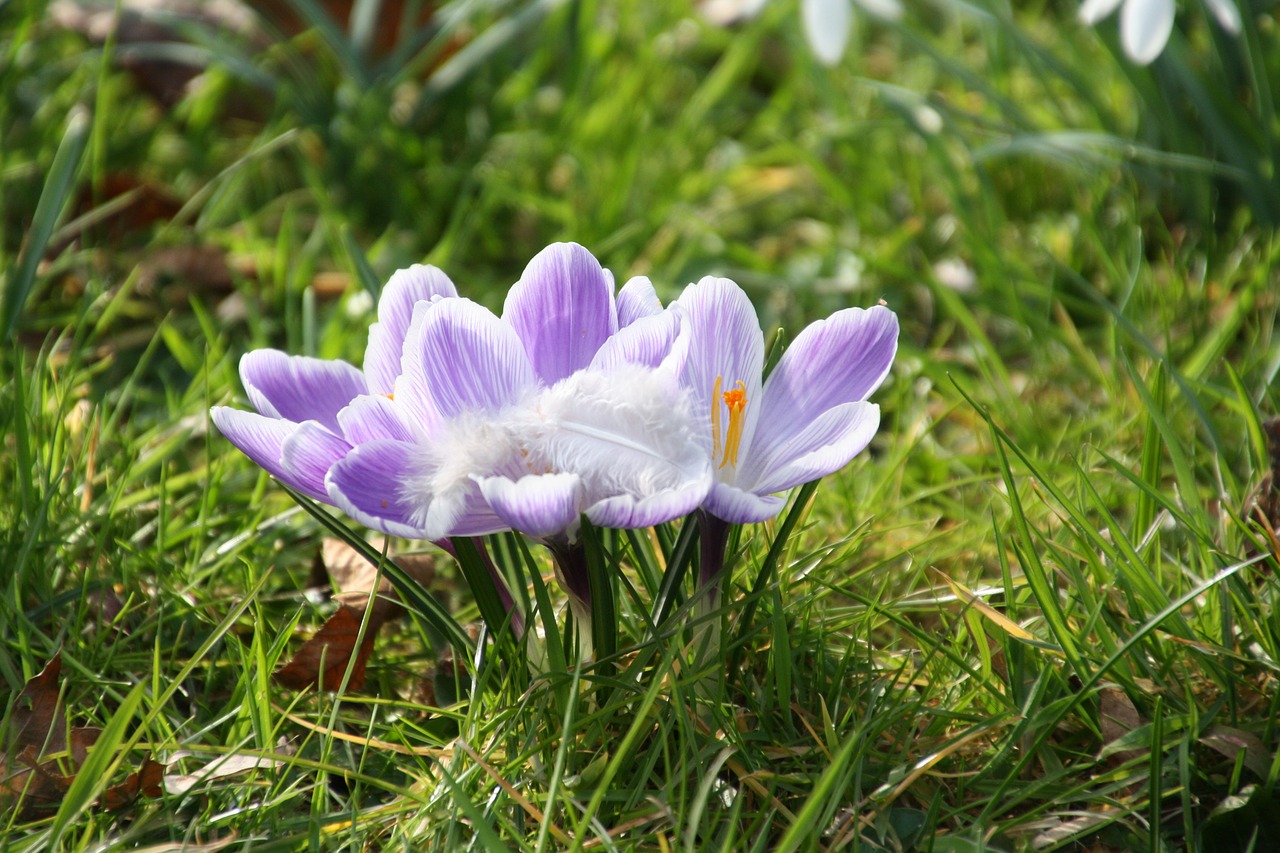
<point x="32" y="778"/>
<point x="230" y="764"/>
<point x="1117" y="717"/>
<point x="323" y="660"/>
<point x="145" y="781"/>
<point x="1230" y="742"/>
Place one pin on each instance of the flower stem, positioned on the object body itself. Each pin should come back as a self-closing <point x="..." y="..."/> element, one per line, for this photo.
<point x="570" y="560"/>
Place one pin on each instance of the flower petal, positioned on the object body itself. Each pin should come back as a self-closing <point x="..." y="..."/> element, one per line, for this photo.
<point x="827" y="24"/>
<point x="373" y="417"/>
<point x="637" y="299"/>
<point x="259" y="437"/>
<point x="651" y="341"/>
<point x="823" y="446"/>
<point x="888" y="10"/>
<point x="741" y="507"/>
<point x="406" y="287"/>
<point x="838" y="360"/>
<point x="298" y="388"/>
<point x="1227" y="14"/>
<point x="725" y="344"/>
<point x="308" y="454"/>
<point x="460" y="358"/>
<point x="539" y="505"/>
<point x="625" y="511"/>
<point x="1145" y="26"/>
<point x="368" y="485"/>
<point x="563" y="310"/>
<point x="1092" y="11"/>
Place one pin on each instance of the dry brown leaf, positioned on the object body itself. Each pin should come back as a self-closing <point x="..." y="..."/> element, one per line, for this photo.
<point x="1117" y="717"/>
<point x="323" y="660"/>
<point x="38" y="737"/>
<point x="145" y="781"/>
<point x="1230" y="742"/>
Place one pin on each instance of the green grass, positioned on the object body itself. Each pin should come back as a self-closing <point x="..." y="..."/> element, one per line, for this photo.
<point x="1049" y="532"/>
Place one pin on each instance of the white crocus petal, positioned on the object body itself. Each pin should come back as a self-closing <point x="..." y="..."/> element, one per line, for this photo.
<point x="629" y="431"/>
<point x="1227" y="14"/>
<point x="1145" y="26"/>
<point x="889" y="10"/>
<point x="826" y="25"/>
<point x="1092" y="11"/>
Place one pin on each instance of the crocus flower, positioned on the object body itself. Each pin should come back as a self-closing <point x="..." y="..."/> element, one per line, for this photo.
<point x="529" y="420"/>
<point x="808" y="420"/>
<point x="296" y="433"/>
<point x="1145" y="25"/>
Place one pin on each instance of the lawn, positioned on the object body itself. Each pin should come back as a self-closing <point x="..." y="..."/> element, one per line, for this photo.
<point x="1037" y="612"/>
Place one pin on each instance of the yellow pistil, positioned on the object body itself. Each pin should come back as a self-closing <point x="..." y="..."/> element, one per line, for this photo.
<point x="736" y="401"/>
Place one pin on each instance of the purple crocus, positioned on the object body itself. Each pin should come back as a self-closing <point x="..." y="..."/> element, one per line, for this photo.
<point x="296" y="432"/>
<point x="809" y="419"/>
<point x="529" y="420"/>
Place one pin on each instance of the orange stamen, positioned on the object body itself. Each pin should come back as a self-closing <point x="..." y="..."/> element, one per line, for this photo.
<point x="736" y="400"/>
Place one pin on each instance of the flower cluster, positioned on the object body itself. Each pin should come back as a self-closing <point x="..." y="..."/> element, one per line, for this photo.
<point x="575" y="402"/>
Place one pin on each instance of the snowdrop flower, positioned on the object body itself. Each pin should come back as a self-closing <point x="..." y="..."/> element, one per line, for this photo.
<point x="290" y="392"/>
<point x="1145" y="25"/>
<point x="827" y="23"/>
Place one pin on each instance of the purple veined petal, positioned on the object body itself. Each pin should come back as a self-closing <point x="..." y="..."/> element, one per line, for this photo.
<point x="460" y="358"/>
<point x="649" y="341"/>
<point x="373" y="417"/>
<point x="298" y="388"/>
<point x="1145" y="26"/>
<point x="741" y="507"/>
<point x="307" y="455"/>
<point x="1092" y="11"/>
<point x="368" y="484"/>
<point x="563" y="310"/>
<point x="725" y="344"/>
<point x="405" y="288"/>
<point x="637" y="299"/>
<point x="821" y="447"/>
<point x="841" y="359"/>
<point x="1226" y="13"/>
<point x="539" y="505"/>
<point x="259" y="437"/>
<point x="625" y="512"/>
<point x="827" y="24"/>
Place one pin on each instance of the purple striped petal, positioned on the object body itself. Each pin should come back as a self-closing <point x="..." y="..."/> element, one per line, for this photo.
<point x="821" y="447"/>
<point x="625" y="511"/>
<point x="741" y="507"/>
<point x="308" y="454"/>
<point x="650" y="341"/>
<point x="374" y="417"/>
<point x="539" y="505"/>
<point x="637" y="299"/>
<point x="298" y="388"/>
<point x="368" y="484"/>
<point x="563" y="310"/>
<point x="406" y="287"/>
<point x="839" y="360"/>
<point x="259" y="437"/>
<point x="461" y="358"/>
<point x="725" y="343"/>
